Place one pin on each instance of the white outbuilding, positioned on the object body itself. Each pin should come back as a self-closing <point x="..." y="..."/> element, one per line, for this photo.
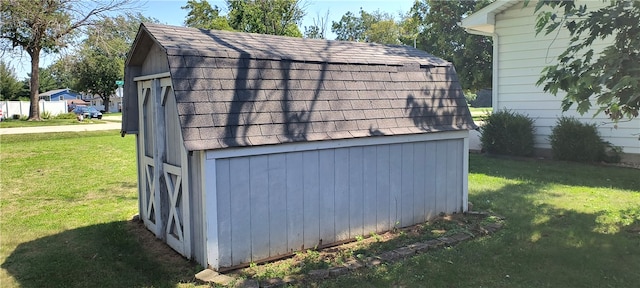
<point x="251" y="147"/>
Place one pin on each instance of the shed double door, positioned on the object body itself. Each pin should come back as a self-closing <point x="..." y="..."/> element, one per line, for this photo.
<point x="163" y="184"/>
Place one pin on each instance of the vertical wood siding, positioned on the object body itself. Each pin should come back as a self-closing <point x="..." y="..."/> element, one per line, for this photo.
<point x="269" y="205"/>
<point x="155" y="61"/>
<point x="326" y="176"/>
<point x="196" y="207"/>
<point x="278" y="240"/>
<point x="173" y="141"/>
<point x="258" y="184"/>
<point x="240" y="201"/>
<point x="148" y="125"/>
<point x="223" y="179"/>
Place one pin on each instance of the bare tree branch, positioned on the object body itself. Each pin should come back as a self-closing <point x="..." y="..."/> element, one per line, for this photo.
<point x="48" y="25"/>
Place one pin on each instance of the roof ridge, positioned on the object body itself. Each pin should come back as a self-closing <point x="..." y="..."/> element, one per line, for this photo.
<point x="180" y="40"/>
<point x="271" y="35"/>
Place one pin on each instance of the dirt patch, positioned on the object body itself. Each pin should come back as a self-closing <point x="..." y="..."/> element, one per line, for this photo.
<point x="373" y="249"/>
<point x="162" y="254"/>
<point x="364" y="251"/>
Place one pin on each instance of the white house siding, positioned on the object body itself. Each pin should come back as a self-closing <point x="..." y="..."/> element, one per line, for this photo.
<point x="521" y="57"/>
<point x="273" y="204"/>
<point x="115" y="103"/>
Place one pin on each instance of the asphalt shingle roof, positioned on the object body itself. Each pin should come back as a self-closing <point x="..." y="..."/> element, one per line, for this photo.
<point x="240" y="89"/>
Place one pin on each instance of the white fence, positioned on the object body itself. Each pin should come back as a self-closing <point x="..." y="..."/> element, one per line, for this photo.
<point x="10" y="108"/>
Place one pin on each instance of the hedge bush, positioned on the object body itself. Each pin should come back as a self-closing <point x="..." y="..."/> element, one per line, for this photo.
<point x="507" y="133"/>
<point x="573" y="140"/>
<point x="69" y="115"/>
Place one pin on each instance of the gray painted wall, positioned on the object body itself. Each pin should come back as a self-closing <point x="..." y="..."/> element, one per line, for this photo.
<point x="196" y="207"/>
<point x="165" y="162"/>
<point x="155" y="61"/>
<point x="173" y="141"/>
<point x="269" y="205"/>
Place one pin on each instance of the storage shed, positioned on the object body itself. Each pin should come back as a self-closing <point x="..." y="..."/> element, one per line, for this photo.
<point x="251" y="147"/>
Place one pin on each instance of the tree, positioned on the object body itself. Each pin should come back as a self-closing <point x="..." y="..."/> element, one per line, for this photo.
<point x="319" y="28"/>
<point x="47" y="81"/>
<point x="349" y="28"/>
<point x="376" y="27"/>
<point x="431" y="26"/>
<point x="411" y="27"/>
<point x="384" y="32"/>
<point x="48" y="26"/>
<point x="202" y="15"/>
<point x="113" y="36"/>
<point x="61" y="71"/>
<point x="26" y="90"/>
<point x="274" y="17"/>
<point x="10" y="87"/>
<point x="58" y="75"/>
<point x="611" y="78"/>
<point x="313" y="32"/>
<point x="101" y="59"/>
<point x="439" y="34"/>
<point x="97" y="74"/>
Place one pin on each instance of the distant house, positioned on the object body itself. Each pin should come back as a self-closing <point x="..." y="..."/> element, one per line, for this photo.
<point x="115" y="102"/>
<point x="252" y="147"/>
<point x="59" y="95"/>
<point x="519" y="55"/>
<point x="72" y="98"/>
<point x="75" y="102"/>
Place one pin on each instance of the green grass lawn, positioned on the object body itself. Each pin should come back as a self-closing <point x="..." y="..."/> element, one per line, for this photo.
<point x="567" y="225"/>
<point x="479" y="113"/>
<point x="66" y="199"/>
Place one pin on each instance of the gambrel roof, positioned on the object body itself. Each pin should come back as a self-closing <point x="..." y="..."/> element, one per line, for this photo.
<point x="240" y="89"/>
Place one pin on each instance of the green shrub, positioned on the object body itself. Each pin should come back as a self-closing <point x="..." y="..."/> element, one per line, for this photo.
<point x="470" y="97"/>
<point x="69" y="115"/>
<point x="576" y="141"/>
<point x="507" y="133"/>
<point x="15" y="116"/>
<point x="45" y="115"/>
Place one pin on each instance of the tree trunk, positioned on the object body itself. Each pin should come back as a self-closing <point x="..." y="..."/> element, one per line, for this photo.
<point x="105" y="101"/>
<point x="34" y="107"/>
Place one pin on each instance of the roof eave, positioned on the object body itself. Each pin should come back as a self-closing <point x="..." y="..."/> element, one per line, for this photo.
<point x="483" y="21"/>
<point x="143" y="38"/>
<point x="483" y="30"/>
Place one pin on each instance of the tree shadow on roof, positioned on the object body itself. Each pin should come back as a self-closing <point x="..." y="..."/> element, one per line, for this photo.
<point x="295" y="121"/>
<point x="441" y="106"/>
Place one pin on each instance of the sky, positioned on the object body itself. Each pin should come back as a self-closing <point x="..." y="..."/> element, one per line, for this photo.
<point x="169" y="12"/>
